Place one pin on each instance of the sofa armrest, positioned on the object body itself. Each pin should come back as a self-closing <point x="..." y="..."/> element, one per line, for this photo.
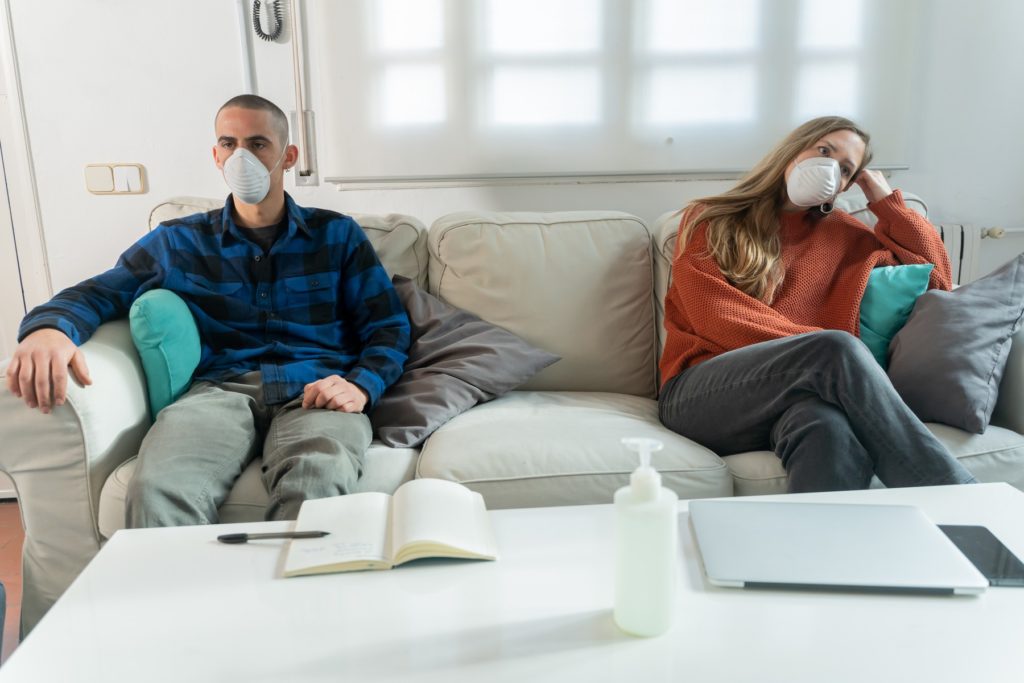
<point x="1009" y="410"/>
<point x="60" y="461"/>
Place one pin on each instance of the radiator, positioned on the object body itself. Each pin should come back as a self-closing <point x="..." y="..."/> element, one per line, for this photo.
<point x="975" y="251"/>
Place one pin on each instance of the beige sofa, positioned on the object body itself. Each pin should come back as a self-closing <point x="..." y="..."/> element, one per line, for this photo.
<point x="586" y="285"/>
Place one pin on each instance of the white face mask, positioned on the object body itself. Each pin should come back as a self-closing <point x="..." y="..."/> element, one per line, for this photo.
<point x="815" y="181"/>
<point x="247" y="177"/>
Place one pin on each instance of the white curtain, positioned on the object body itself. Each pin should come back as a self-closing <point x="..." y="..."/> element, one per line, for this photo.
<point x="478" y="88"/>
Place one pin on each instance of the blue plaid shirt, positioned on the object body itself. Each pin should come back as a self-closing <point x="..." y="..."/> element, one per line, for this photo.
<point x="319" y="303"/>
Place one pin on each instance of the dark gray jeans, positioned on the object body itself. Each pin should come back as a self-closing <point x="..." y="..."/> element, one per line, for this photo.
<point x="821" y="402"/>
<point x="200" y="444"/>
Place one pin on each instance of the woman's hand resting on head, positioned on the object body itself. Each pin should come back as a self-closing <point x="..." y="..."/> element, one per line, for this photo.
<point x="874" y="184"/>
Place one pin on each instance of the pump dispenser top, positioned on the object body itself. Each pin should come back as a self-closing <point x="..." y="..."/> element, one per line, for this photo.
<point x="645" y="481"/>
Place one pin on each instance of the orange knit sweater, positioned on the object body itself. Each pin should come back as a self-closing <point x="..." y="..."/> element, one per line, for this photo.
<point x="827" y="265"/>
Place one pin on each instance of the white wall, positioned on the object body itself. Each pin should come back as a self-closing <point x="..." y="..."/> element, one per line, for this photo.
<point x="119" y="81"/>
<point x="969" y="160"/>
<point x="140" y="80"/>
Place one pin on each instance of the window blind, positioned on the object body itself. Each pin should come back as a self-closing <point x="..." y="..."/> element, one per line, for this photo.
<point x="414" y="89"/>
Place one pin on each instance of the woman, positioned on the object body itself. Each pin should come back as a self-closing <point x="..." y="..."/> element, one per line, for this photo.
<point x="763" y="314"/>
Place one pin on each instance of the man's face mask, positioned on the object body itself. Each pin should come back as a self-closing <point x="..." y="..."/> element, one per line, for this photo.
<point x="815" y="182"/>
<point x="247" y="177"/>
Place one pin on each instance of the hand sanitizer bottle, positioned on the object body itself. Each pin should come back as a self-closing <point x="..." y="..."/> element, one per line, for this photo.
<point x="646" y="544"/>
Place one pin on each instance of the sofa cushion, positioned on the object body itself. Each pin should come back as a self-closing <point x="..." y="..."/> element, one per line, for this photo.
<point x="400" y="241"/>
<point x="179" y="207"/>
<point x="756" y="473"/>
<point x="166" y="337"/>
<point x="956" y="381"/>
<point x="384" y="470"/>
<point x="665" y="231"/>
<point x="456" y="360"/>
<point x="888" y="300"/>
<point x="578" y="284"/>
<point x="996" y="455"/>
<point x="532" y="448"/>
<point x="1008" y="411"/>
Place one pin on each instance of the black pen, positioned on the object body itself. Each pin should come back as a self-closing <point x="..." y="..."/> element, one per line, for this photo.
<point x="244" y="538"/>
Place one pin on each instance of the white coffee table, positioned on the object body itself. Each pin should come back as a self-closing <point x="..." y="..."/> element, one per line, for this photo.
<point x="175" y="605"/>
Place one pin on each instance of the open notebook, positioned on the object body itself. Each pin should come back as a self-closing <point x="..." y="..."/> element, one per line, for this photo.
<point x="424" y="518"/>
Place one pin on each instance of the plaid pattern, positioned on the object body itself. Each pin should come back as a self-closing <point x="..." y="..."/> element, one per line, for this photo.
<point x="318" y="304"/>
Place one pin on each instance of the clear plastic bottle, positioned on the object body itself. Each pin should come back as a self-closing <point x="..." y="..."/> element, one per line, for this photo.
<point x="646" y="548"/>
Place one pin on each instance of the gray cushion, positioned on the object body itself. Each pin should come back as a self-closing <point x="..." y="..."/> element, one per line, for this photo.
<point x="456" y="360"/>
<point x="948" y="359"/>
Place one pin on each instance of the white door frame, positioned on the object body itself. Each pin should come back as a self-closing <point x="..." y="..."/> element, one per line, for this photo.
<point x="12" y="306"/>
<point x="24" y="271"/>
<point x="21" y="178"/>
<point x="12" y="298"/>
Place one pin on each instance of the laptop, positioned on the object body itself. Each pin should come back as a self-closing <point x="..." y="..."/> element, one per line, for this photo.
<point x="829" y="546"/>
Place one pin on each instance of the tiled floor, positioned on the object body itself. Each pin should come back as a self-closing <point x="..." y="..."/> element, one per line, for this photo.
<point x="11" y="537"/>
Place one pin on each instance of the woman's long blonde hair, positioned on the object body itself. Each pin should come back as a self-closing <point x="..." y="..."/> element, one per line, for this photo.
<point x="743" y="223"/>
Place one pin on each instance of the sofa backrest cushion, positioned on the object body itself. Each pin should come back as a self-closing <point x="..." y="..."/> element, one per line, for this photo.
<point x="578" y="284"/>
<point x="665" y="230"/>
<point x="400" y="241"/>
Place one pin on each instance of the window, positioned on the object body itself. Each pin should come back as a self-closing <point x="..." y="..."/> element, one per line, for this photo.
<point x="830" y="41"/>
<point x="406" y="50"/>
<point x="545" y="73"/>
<point x="470" y="88"/>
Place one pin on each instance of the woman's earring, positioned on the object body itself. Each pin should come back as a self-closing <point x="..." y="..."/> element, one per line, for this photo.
<point x="826" y="208"/>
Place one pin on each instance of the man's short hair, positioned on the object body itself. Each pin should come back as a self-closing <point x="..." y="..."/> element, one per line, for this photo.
<point x="278" y="120"/>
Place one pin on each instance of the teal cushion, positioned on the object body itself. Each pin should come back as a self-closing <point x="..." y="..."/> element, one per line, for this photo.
<point x="167" y="340"/>
<point x="887" y="303"/>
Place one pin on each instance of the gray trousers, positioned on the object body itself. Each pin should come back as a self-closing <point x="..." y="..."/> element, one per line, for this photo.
<point x="200" y="444"/>
<point x="821" y="402"/>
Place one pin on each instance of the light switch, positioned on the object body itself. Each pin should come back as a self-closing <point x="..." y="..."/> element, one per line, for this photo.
<point x="99" y="178"/>
<point x="115" y="179"/>
<point x="127" y="179"/>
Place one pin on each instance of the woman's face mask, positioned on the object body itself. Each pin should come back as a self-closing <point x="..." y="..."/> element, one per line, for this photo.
<point x="815" y="182"/>
<point x="247" y="177"/>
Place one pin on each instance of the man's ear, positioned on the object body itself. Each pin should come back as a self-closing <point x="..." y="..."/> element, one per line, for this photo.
<point x="291" y="156"/>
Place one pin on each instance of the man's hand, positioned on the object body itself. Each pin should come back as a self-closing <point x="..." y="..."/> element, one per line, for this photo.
<point x="38" y="373"/>
<point x="334" y="393"/>
<point x="874" y="184"/>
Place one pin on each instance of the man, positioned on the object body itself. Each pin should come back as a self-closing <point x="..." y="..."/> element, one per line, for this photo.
<point x="301" y="331"/>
